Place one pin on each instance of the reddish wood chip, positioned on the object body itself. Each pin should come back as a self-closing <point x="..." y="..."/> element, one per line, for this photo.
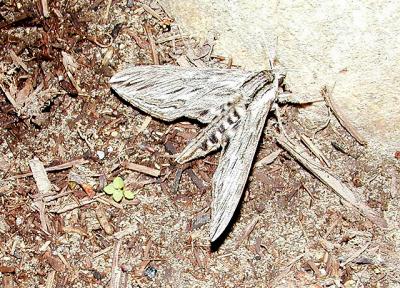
<point x="7" y="269"/>
<point x="54" y="262"/>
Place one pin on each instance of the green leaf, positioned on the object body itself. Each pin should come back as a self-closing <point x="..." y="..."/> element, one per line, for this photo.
<point x="109" y="189"/>
<point x="118" y="183"/>
<point x="118" y="195"/>
<point x="129" y="194"/>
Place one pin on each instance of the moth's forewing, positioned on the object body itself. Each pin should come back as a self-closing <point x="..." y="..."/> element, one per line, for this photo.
<point x="235" y="163"/>
<point x="171" y="92"/>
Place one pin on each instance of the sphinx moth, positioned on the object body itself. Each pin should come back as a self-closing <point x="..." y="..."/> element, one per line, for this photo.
<point x="233" y="103"/>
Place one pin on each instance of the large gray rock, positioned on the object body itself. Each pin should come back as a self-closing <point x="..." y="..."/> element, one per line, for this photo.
<point x="353" y="44"/>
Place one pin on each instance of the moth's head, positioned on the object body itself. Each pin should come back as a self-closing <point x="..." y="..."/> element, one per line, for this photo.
<point x="279" y="73"/>
<point x="276" y="74"/>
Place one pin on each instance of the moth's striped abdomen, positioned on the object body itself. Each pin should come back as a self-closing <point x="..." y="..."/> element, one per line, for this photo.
<point x="217" y="133"/>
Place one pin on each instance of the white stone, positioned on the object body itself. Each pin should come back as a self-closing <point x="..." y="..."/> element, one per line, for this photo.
<point x="354" y="45"/>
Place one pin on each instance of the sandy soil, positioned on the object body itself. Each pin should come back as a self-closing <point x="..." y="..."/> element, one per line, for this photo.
<point x="56" y="105"/>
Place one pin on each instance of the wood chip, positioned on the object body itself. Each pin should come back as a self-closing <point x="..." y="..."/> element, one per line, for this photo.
<point x="18" y="61"/>
<point x="314" y="267"/>
<point x="183" y="61"/>
<point x="269" y="159"/>
<point x="54" y="262"/>
<point x="69" y="62"/>
<point x="196" y="180"/>
<point x="170" y="38"/>
<point x="7" y="269"/>
<point x="329" y="179"/>
<point x="77" y="230"/>
<point x="103" y="220"/>
<point x="332" y="266"/>
<point x="128" y="231"/>
<point x="50" y="279"/>
<point x="44" y="187"/>
<point x="144" y="125"/>
<point x="10" y="97"/>
<point x="142" y="169"/>
<point x="153" y="46"/>
<point x="200" y="220"/>
<point x="150" y="10"/>
<point x="24" y="94"/>
<point x="115" y="272"/>
<point x="8" y="281"/>
<point x="101" y="252"/>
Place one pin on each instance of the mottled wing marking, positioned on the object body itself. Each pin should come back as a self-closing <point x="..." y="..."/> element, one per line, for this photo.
<point x="217" y="133"/>
<point x="171" y="92"/>
<point x="235" y="163"/>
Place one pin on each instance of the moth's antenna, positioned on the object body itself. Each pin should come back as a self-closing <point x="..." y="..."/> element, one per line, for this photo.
<point x="271" y="58"/>
<point x="272" y="54"/>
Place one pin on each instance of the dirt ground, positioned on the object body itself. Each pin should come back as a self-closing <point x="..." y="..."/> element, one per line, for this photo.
<point x="56" y="105"/>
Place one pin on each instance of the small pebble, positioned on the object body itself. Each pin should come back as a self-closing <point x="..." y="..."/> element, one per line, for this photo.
<point x="114" y="134"/>
<point x="19" y="221"/>
<point x="100" y="154"/>
<point x="150" y="272"/>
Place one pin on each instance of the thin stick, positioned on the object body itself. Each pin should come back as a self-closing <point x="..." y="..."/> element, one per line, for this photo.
<point x="315" y="150"/>
<point x="150" y="10"/>
<point x="45" y="9"/>
<point x="341" y="118"/>
<point x="114" y="283"/>
<point x="53" y="168"/>
<point x="152" y="45"/>
<point x="142" y="169"/>
<point x="73" y="206"/>
<point x="329" y="179"/>
<point x="170" y="38"/>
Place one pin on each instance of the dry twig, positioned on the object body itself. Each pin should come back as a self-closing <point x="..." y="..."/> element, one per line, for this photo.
<point x="45" y="8"/>
<point x="152" y="45"/>
<point x="329" y="179"/>
<point x="115" y="273"/>
<point x="63" y="166"/>
<point x="341" y="118"/>
<point x="315" y="150"/>
<point x="142" y="169"/>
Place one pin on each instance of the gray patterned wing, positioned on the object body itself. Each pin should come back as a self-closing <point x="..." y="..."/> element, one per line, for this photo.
<point x="235" y="163"/>
<point x="171" y="92"/>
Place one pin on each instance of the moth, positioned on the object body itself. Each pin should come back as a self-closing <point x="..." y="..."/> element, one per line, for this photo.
<point x="233" y="103"/>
